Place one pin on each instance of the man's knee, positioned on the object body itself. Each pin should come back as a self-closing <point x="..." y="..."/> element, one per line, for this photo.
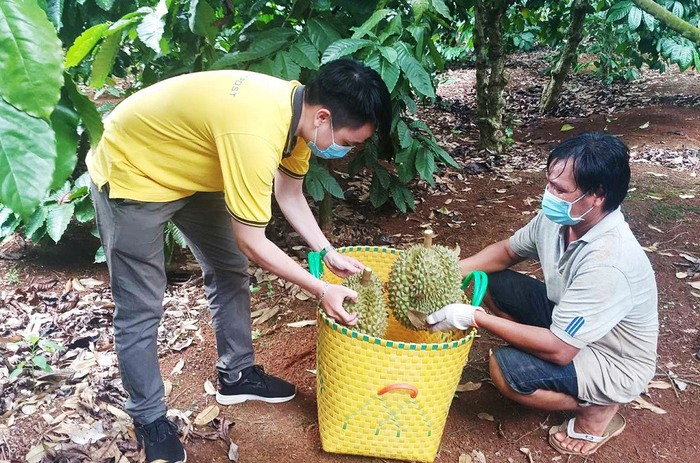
<point x="499" y="380"/>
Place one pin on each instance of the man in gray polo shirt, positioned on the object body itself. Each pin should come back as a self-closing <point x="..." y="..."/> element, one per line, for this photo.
<point x="585" y="339"/>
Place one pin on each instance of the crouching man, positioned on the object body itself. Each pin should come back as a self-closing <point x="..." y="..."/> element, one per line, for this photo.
<point x="584" y="340"/>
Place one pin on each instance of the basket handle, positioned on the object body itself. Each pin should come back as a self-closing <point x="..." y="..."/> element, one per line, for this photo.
<point x="481" y="281"/>
<point x="315" y="265"/>
<point x="394" y="387"/>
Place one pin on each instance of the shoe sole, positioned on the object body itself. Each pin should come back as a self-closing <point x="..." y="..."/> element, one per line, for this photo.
<point x="240" y="398"/>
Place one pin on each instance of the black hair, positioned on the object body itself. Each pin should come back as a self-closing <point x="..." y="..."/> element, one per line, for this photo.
<point x="600" y="165"/>
<point x="355" y="94"/>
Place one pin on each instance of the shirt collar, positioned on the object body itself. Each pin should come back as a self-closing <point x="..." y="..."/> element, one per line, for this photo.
<point x="606" y="224"/>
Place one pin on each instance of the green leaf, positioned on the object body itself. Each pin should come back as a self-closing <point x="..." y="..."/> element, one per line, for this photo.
<point x="57" y="220"/>
<point x="388" y="71"/>
<point x="289" y="70"/>
<point x="64" y="121"/>
<point x="678" y="9"/>
<point x="566" y="127"/>
<point x="331" y="185"/>
<point x="18" y="370"/>
<point x="321" y="5"/>
<point x="378" y="193"/>
<point x="84" y="44"/>
<point x="344" y="47"/>
<point x="36" y="220"/>
<point x="314" y="187"/>
<point x="105" y="4"/>
<point x="321" y="34"/>
<point x="619" y="10"/>
<point x="263" y="45"/>
<point x="31" y="55"/>
<point x="425" y="165"/>
<point x="414" y="71"/>
<point x="441" y="8"/>
<point x="40" y="361"/>
<point x="419" y="7"/>
<point x="202" y="18"/>
<point x="88" y="112"/>
<point x="405" y="135"/>
<point x="304" y="54"/>
<point x="50" y="346"/>
<point x="634" y="18"/>
<point x="100" y="256"/>
<point x="84" y="211"/>
<point x="152" y="27"/>
<point x="370" y="23"/>
<point x="402" y="197"/>
<point x="104" y="60"/>
<point x="54" y="11"/>
<point x="382" y="174"/>
<point x="27" y="147"/>
<point x="127" y="20"/>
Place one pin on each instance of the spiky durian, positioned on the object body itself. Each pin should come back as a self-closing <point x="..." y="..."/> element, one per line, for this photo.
<point x="424" y="278"/>
<point x="370" y="306"/>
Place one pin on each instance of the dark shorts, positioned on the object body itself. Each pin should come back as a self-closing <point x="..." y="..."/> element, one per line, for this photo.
<point x="525" y="299"/>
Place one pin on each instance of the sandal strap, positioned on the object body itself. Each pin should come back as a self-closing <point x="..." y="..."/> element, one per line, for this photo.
<point x="582" y="436"/>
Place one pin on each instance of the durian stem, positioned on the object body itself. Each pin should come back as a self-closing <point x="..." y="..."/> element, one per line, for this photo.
<point x="366" y="275"/>
<point x="428" y="238"/>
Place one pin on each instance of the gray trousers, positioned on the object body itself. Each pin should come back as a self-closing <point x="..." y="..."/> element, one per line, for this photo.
<point x="132" y="237"/>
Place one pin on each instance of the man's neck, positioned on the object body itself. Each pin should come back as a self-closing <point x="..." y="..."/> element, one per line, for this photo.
<point x="576" y="232"/>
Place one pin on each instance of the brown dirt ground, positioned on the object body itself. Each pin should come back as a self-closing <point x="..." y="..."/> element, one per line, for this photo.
<point x="484" y="213"/>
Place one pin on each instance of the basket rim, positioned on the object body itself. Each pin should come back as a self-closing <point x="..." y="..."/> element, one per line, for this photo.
<point x="400" y="345"/>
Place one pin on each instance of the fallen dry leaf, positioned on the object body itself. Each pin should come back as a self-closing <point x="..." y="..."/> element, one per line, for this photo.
<point x="178" y="367"/>
<point x="464" y="458"/>
<point x="209" y="388"/>
<point x="640" y="403"/>
<point x="485" y="416"/>
<point x="233" y="452"/>
<point x="468" y="386"/>
<point x="207" y="415"/>
<point x="302" y="323"/>
<point x="659" y="385"/>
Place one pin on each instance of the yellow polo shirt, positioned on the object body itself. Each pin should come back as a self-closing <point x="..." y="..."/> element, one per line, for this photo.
<point x="207" y="131"/>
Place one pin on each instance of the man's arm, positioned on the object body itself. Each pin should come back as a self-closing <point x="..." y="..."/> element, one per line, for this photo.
<point x="493" y="258"/>
<point x="255" y="245"/>
<point x="538" y="341"/>
<point x="290" y="197"/>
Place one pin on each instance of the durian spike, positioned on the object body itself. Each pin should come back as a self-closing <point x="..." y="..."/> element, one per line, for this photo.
<point x="428" y="238"/>
<point x="366" y="275"/>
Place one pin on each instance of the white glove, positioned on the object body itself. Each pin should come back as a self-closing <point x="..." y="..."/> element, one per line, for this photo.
<point x="459" y="316"/>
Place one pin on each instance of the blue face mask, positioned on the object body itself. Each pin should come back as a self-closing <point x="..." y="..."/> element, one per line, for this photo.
<point x="335" y="151"/>
<point x="559" y="211"/>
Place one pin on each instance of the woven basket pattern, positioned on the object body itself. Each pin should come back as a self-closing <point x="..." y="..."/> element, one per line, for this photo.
<point x="386" y="397"/>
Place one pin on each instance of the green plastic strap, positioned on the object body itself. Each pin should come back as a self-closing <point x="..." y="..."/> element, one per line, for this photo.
<point x="481" y="281"/>
<point x="315" y="265"/>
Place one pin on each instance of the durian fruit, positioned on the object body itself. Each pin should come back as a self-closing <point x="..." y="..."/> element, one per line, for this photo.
<point x="370" y="306"/>
<point x="424" y="278"/>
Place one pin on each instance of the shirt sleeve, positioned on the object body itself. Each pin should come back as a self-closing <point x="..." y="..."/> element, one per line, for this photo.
<point x="524" y="241"/>
<point x="248" y="166"/>
<point x="595" y="301"/>
<point x="296" y="165"/>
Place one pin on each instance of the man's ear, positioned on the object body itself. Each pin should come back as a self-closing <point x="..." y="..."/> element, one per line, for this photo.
<point x="599" y="195"/>
<point x="321" y="117"/>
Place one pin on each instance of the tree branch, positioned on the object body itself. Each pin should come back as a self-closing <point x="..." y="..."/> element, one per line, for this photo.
<point x="670" y="20"/>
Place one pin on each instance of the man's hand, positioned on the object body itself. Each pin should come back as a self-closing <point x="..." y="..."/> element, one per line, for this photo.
<point x="342" y="264"/>
<point x="453" y="316"/>
<point x="332" y="303"/>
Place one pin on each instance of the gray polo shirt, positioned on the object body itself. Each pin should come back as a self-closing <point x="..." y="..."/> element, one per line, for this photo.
<point x="605" y="297"/>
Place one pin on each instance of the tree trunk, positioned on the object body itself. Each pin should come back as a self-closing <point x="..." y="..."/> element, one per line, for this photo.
<point x="574" y="35"/>
<point x="490" y="75"/>
<point x="670" y="20"/>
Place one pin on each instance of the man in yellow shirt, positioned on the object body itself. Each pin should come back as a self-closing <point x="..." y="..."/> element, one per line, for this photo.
<point x="206" y="150"/>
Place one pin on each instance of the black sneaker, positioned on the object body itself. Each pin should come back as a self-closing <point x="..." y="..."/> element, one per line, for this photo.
<point x="160" y="441"/>
<point x="255" y="384"/>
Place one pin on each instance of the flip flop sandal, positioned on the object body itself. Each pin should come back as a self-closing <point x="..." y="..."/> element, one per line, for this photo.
<point x="614" y="428"/>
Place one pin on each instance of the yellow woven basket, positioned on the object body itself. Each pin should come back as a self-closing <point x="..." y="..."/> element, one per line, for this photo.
<point x="387" y="397"/>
